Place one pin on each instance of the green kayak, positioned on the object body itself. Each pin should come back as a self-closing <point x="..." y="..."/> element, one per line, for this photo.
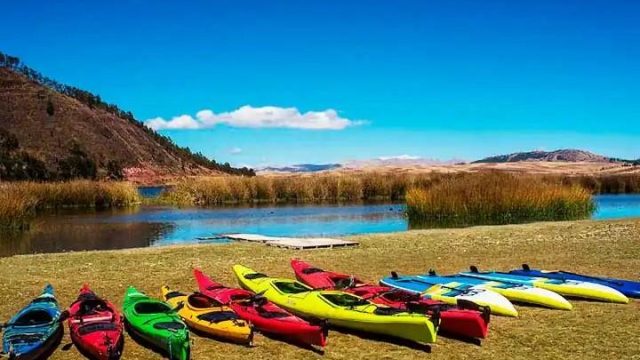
<point x="155" y="323"/>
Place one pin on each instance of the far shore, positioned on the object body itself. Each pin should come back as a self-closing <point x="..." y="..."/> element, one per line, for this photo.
<point x="592" y="331"/>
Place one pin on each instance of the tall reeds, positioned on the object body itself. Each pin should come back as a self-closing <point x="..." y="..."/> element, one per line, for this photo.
<point x="333" y="188"/>
<point x="19" y="201"/>
<point x="495" y="198"/>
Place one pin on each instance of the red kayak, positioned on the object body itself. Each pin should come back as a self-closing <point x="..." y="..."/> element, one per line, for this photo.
<point x="95" y="326"/>
<point x="466" y="319"/>
<point x="264" y="315"/>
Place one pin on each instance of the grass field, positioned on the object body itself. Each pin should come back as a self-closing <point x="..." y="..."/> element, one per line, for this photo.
<point x="592" y="331"/>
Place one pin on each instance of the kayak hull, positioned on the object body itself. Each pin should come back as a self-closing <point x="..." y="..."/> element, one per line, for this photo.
<point x="514" y="292"/>
<point x="453" y="320"/>
<point x="338" y="308"/>
<point x="209" y="317"/>
<point x="569" y="288"/>
<point x="156" y="324"/>
<point x="263" y="315"/>
<point x="452" y="293"/>
<point x="626" y="287"/>
<point x="35" y="331"/>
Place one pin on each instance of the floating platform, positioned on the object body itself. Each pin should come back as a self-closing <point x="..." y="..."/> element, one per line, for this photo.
<point x="292" y="242"/>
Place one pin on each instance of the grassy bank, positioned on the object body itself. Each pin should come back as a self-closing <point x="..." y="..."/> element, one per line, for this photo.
<point x="19" y="201"/>
<point x="495" y="198"/>
<point x="591" y="331"/>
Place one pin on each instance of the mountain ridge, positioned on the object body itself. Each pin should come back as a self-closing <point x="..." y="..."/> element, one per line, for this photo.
<point x="51" y="122"/>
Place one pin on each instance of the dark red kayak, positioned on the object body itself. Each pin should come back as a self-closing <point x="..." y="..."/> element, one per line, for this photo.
<point x="264" y="315"/>
<point x="466" y="319"/>
<point x="96" y="326"/>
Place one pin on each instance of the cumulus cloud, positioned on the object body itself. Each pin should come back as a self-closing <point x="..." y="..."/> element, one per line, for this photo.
<point x="399" y="157"/>
<point x="258" y="117"/>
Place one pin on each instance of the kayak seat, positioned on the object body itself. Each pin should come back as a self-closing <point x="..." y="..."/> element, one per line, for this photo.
<point x="92" y="306"/>
<point x="345" y="300"/>
<point x="218" y="316"/>
<point x="173" y="294"/>
<point x="253" y="276"/>
<point x="33" y="317"/>
<point x="290" y="287"/>
<point x="388" y="311"/>
<point x="151" y="307"/>
<point x="311" y="270"/>
<point x="201" y="302"/>
<point x="170" y="325"/>
<point x="101" y="326"/>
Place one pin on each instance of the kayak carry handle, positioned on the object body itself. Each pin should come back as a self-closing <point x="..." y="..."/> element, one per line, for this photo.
<point x="394" y="275"/>
<point x="474" y="269"/>
<point x="526" y="267"/>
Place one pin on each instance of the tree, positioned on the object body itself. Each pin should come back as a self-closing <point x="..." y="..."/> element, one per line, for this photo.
<point x="50" y="109"/>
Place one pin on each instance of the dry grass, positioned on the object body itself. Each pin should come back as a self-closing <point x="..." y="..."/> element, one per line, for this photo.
<point x="496" y="198"/>
<point x="19" y="201"/>
<point x="592" y="331"/>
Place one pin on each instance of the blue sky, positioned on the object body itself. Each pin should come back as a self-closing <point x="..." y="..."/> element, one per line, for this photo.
<point x="436" y="79"/>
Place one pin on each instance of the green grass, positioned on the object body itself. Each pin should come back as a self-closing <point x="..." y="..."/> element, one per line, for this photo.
<point x="20" y="201"/>
<point x="591" y="331"/>
<point x="495" y="198"/>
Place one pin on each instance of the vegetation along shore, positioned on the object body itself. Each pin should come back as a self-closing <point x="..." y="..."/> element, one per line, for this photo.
<point x="19" y="201"/>
<point x="495" y="199"/>
<point x="591" y="331"/>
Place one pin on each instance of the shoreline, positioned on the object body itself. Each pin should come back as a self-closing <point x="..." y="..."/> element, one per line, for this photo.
<point x="591" y="330"/>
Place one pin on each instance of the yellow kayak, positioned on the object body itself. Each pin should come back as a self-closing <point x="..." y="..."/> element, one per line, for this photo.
<point x="205" y="315"/>
<point x="514" y="292"/>
<point x="339" y="308"/>
<point x="570" y="288"/>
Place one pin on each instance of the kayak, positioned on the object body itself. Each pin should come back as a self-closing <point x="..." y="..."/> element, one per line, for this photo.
<point x="339" y="308"/>
<point x="96" y="326"/>
<point x="572" y="288"/>
<point x="453" y="319"/>
<point x="36" y="330"/>
<point x="626" y="287"/>
<point x="156" y="324"/>
<point x="208" y="316"/>
<point x="452" y="293"/>
<point x="514" y="292"/>
<point x="263" y="314"/>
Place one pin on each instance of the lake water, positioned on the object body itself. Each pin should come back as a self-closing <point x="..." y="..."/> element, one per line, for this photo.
<point x="156" y="226"/>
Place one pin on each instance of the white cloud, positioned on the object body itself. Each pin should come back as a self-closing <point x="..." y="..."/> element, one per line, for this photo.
<point x="258" y="117"/>
<point x="235" y="151"/>
<point x="399" y="157"/>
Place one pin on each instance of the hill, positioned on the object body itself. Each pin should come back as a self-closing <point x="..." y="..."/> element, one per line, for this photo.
<point x="565" y="155"/>
<point x="62" y="132"/>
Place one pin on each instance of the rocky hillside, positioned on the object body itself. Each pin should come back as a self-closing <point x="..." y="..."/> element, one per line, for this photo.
<point x="53" y="123"/>
<point x="566" y="155"/>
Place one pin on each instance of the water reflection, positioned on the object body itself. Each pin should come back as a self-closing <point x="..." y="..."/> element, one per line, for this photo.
<point x="151" y="226"/>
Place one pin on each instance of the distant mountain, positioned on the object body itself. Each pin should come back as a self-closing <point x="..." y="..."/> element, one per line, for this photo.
<point x="567" y="155"/>
<point x="49" y="130"/>
<point x="301" y="168"/>
<point x="399" y="162"/>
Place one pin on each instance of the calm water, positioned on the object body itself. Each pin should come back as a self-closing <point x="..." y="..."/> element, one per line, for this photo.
<point x="155" y="226"/>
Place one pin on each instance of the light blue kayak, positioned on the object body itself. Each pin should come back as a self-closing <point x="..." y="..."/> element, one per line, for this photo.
<point x="570" y="288"/>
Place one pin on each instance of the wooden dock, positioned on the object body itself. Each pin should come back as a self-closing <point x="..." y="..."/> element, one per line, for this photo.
<point x="292" y="242"/>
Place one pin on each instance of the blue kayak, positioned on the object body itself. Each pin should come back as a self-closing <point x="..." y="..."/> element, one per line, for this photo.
<point x="627" y="287"/>
<point x="35" y="331"/>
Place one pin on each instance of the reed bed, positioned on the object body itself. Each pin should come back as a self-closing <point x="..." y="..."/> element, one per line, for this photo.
<point x="495" y="199"/>
<point x="19" y="201"/>
<point x="334" y="188"/>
